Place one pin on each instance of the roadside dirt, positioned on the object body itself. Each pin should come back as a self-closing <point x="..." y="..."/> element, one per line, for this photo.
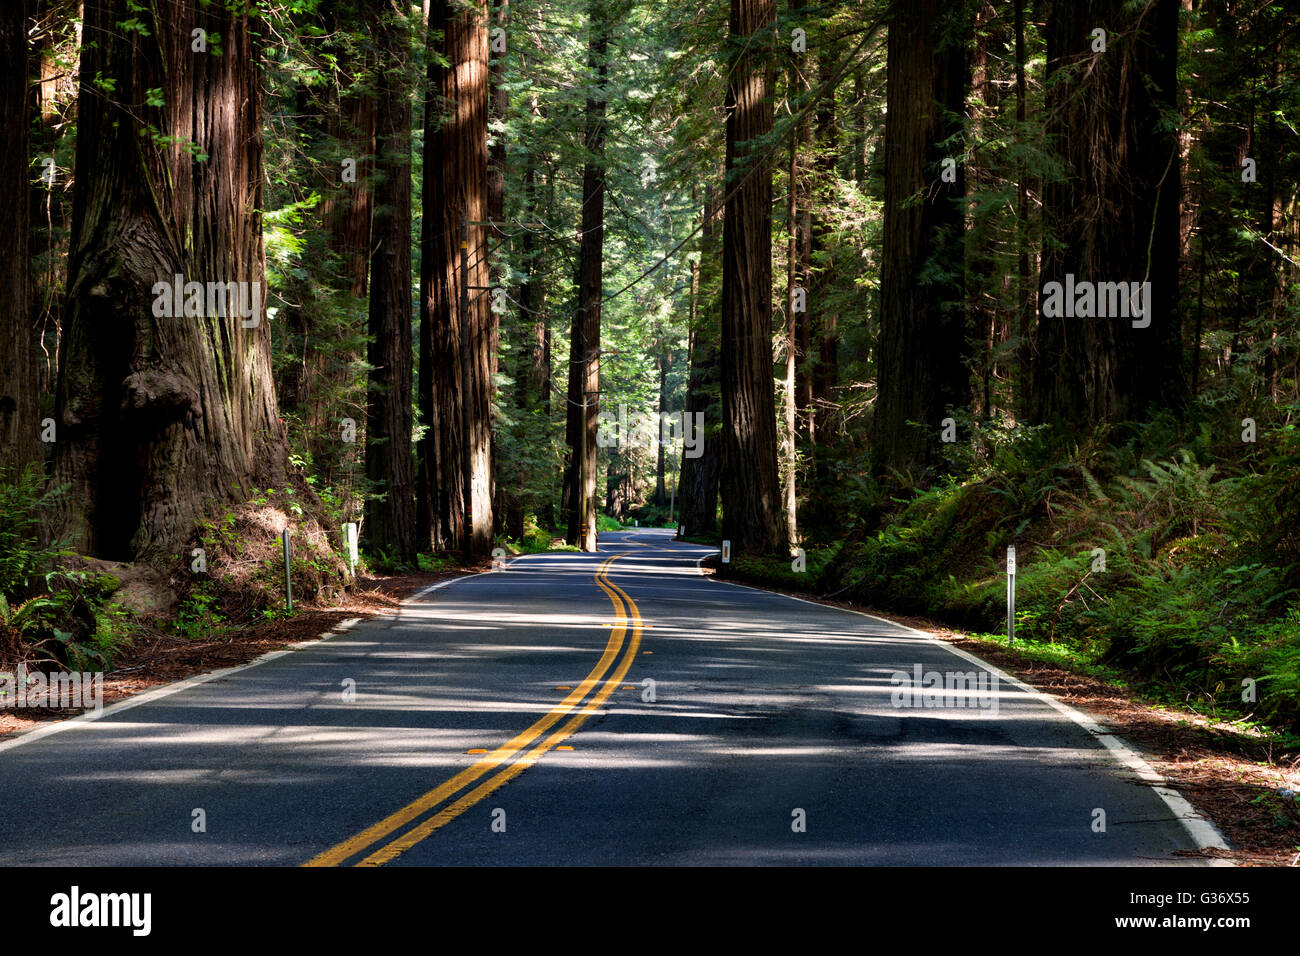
<point x="158" y="658"/>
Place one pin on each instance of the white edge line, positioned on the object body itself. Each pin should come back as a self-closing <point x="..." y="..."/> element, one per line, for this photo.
<point x="1205" y="834"/>
<point x="46" y="730"/>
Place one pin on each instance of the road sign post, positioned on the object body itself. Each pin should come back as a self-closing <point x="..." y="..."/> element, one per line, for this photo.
<point x="1011" y="593"/>
<point x="288" y="576"/>
<point x="350" y="541"/>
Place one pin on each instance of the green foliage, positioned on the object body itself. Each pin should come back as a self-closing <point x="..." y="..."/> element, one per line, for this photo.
<point x="198" y="615"/>
<point x="783" y="574"/>
<point x="537" y="539"/>
<point x="26" y="501"/>
<point x="1164" y="566"/>
<point x="72" y="625"/>
<point x="433" y="563"/>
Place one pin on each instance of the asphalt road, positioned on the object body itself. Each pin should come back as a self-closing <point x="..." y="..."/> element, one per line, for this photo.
<point x="774" y="731"/>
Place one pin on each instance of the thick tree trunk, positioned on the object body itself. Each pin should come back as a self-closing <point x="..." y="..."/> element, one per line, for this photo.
<point x="920" y="369"/>
<point x="752" y="514"/>
<point x="390" y="521"/>
<point x="455" y="310"/>
<point x="20" y="444"/>
<point x="701" y="468"/>
<point x="1115" y="216"/>
<point x="984" y="268"/>
<point x="1026" y="297"/>
<point x="161" y="415"/>
<point x="584" y="349"/>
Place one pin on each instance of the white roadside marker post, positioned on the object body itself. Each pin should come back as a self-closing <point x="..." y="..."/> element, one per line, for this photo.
<point x="350" y="537"/>
<point x="288" y="579"/>
<point x="726" y="552"/>
<point x="1011" y="593"/>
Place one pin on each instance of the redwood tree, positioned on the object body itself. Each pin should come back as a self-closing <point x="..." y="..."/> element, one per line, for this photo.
<point x="921" y="373"/>
<point x="160" y="415"/>
<point x="19" y="389"/>
<point x="584" y="345"/>
<point x="390" y="520"/>
<point x="1114" y="217"/>
<point x="699" y="473"/>
<point x="455" y="315"/>
<point x="753" y="517"/>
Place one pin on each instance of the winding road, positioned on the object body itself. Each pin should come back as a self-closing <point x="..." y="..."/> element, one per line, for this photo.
<point x="619" y="708"/>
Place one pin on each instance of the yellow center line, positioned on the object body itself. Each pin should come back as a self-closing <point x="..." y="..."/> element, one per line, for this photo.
<point x="490" y="786"/>
<point x="373" y="834"/>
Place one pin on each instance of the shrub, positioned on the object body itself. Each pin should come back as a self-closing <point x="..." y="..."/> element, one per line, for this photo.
<point x="25" y="502"/>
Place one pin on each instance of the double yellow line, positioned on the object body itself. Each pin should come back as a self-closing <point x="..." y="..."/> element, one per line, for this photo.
<point x="432" y="810"/>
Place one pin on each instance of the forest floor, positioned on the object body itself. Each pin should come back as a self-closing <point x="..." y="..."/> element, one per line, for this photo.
<point x="158" y="658"/>
<point x="1232" y="777"/>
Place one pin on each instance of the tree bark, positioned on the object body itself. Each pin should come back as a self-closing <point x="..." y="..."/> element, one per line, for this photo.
<point x="699" y="474"/>
<point x="921" y="373"/>
<point x="20" y="383"/>
<point x="161" y="416"/>
<point x="822" y="371"/>
<point x="390" y="521"/>
<point x="1025" y="295"/>
<point x="455" y="309"/>
<point x="1115" y="216"/>
<point x="584" y="348"/>
<point x="753" y="516"/>
<point x="497" y="213"/>
<point x="662" y="361"/>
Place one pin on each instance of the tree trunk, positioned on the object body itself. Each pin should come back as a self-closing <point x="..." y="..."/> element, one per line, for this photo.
<point x="1025" y="295"/>
<point x="390" y="521"/>
<point x="19" y="385"/>
<point x="161" y="415"/>
<point x="584" y="348"/>
<point x="53" y="99"/>
<point x="699" y="474"/>
<point x="753" y="516"/>
<point x="455" y="307"/>
<point x="497" y="214"/>
<point x="921" y="373"/>
<point x="1115" y="216"/>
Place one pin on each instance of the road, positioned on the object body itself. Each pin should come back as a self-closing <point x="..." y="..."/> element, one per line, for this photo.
<point x="616" y="708"/>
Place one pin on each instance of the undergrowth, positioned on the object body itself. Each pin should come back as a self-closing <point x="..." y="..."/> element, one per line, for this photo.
<point x="1150" y="551"/>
